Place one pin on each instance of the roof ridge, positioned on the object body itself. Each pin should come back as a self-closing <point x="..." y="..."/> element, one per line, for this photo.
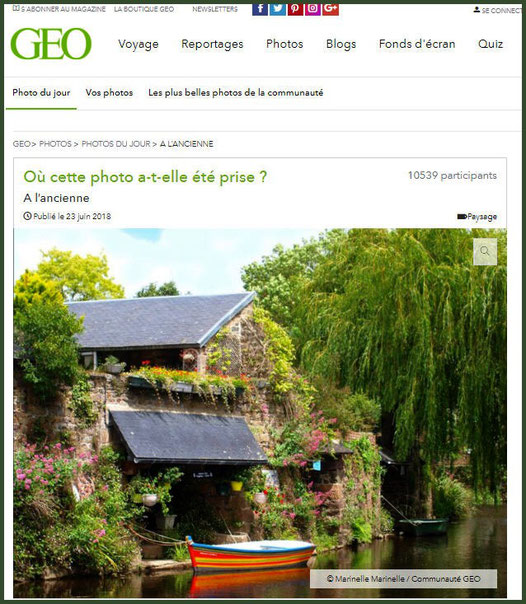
<point x="185" y="296"/>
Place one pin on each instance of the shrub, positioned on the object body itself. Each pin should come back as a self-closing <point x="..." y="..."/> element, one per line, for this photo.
<point x="52" y="529"/>
<point x="386" y="523"/>
<point x="354" y="411"/>
<point x="361" y="530"/>
<point x="451" y="499"/>
<point x="45" y="334"/>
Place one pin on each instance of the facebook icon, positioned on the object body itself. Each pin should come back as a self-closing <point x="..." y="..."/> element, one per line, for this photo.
<point x="260" y="9"/>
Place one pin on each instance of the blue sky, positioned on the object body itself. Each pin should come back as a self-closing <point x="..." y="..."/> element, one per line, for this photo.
<point x="199" y="261"/>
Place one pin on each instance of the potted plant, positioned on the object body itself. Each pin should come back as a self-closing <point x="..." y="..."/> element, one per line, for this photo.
<point x="112" y="365"/>
<point x="143" y="490"/>
<point x="260" y="497"/>
<point x="239" y="478"/>
<point x="155" y="489"/>
<point x="150" y="499"/>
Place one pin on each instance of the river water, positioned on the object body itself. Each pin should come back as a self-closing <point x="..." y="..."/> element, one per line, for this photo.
<point x="476" y="543"/>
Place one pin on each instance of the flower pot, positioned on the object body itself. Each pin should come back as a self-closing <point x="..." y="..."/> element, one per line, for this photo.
<point x="182" y="387"/>
<point x="136" y="381"/>
<point x="236" y="485"/>
<point x="260" y="498"/>
<point x="164" y="522"/>
<point x="137" y="498"/>
<point x="115" y="369"/>
<point x="150" y="499"/>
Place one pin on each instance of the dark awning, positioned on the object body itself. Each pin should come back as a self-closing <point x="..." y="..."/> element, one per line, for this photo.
<point x="187" y="438"/>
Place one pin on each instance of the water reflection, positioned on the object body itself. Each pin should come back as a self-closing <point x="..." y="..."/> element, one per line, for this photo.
<point x="258" y="584"/>
<point x="475" y="543"/>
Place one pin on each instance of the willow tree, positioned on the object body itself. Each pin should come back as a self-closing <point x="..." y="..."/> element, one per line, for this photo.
<point x="406" y="318"/>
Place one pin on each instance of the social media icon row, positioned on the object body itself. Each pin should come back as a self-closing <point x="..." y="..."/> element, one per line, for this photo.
<point x="296" y="10"/>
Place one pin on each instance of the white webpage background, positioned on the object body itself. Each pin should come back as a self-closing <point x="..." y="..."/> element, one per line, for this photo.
<point x="328" y="159"/>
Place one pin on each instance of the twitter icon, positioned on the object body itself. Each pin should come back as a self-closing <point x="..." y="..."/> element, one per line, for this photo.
<point x="277" y="10"/>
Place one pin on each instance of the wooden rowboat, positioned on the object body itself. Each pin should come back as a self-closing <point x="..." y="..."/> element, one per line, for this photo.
<point x="254" y="555"/>
<point x="423" y="527"/>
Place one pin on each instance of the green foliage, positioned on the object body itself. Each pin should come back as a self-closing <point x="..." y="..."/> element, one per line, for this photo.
<point x="79" y="277"/>
<point x="277" y="516"/>
<point x="159" y="484"/>
<point x="324" y="541"/>
<point x="386" y="524"/>
<point x="243" y="475"/>
<point x="179" y="553"/>
<point x="451" y="499"/>
<point x="361" y="529"/>
<point x="152" y="289"/>
<point x="219" y="353"/>
<point x="54" y="531"/>
<point x="31" y="288"/>
<point x="404" y="317"/>
<point x="205" y="384"/>
<point x="355" y="411"/>
<point x="367" y="454"/>
<point x="45" y="336"/>
<point x="279" y="351"/>
<point x="279" y="278"/>
<point x="302" y="439"/>
<point x="81" y="403"/>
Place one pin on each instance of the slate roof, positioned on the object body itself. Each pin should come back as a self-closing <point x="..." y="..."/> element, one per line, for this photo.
<point x="164" y="321"/>
<point x="187" y="438"/>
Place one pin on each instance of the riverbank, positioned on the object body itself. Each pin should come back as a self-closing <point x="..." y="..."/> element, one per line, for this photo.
<point x="477" y="542"/>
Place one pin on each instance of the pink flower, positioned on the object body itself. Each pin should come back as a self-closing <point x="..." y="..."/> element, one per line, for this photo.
<point x="104" y="521"/>
<point x="27" y="486"/>
<point x="292" y="515"/>
<point x="303" y="464"/>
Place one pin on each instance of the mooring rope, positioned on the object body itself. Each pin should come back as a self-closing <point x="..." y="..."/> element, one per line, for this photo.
<point x="399" y="512"/>
<point x="170" y="543"/>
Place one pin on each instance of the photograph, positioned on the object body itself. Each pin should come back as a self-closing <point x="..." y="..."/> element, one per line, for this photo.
<point x="271" y="401"/>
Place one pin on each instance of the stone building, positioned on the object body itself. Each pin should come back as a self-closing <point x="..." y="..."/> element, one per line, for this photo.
<point x="172" y="331"/>
<point x="210" y="438"/>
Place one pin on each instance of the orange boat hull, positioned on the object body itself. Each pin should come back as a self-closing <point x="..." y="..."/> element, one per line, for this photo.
<point x="215" y="559"/>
